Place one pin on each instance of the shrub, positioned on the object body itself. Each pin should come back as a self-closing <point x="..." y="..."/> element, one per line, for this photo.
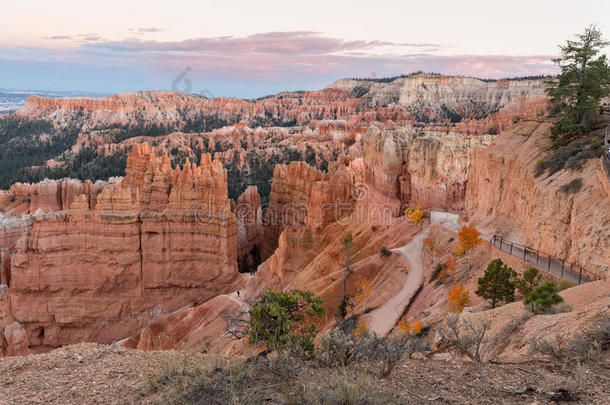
<point x="391" y="351"/>
<point x="347" y="343"/>
<point x="584" y="345"/>
<point x="384" y="251"/>
<point x="439" y="272"/>
<point x="340" y="347"/>
<point x="496" y="284"/>
<point x="564" y="285"/>
<point x="542" y="298"/>
<point x="572" y="187"/>
<point x="465" y="336"/>
<point x="280" y="320"/>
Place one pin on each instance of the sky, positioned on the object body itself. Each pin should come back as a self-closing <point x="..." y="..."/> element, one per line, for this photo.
<point x="251" y="48"/>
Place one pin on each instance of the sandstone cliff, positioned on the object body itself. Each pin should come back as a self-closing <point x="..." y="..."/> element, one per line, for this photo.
<point x="453" y="98"/>
<point x="160" y="239"/>
<point x="504" y="197"/>
<point x="177" y="110"/>
<point x="406" y="165"/>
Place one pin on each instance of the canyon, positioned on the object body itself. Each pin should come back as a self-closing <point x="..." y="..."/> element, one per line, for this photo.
<point x="221" y="199"/>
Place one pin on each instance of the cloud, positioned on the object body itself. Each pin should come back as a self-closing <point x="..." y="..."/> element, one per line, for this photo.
<point x="151" y="29"/>
<point x="266" y="59"/>
<point x="271" y="43"/>
<point x="59" y="37"/>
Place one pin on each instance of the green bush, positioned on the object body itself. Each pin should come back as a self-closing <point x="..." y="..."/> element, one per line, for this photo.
<point x="543" y="298"/>
<point x="283" y="319"/>
<point x="564" y="284"/>
<point x="572" y="187"/>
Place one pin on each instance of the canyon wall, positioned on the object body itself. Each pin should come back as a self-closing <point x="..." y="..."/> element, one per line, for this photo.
<point x="169" y="109"/>
<point x="407" y="165"/>
<point x="249" y="229"/>
<point x="290" y="192"/>
<point x="442" y="97"/>
<point x="158" y="240"/>
<point x="504" y="197"/>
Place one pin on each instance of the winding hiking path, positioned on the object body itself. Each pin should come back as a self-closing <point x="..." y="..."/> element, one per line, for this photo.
<point x="382" y="320"/>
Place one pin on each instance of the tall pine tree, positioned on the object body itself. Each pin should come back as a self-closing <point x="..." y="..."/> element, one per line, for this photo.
<point x="584" y="80"/>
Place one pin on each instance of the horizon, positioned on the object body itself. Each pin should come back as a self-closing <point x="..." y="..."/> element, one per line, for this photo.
<point x="272" y="47"/>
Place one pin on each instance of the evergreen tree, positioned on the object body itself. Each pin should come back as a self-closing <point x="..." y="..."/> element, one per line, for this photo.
<point x="497" y="284"/>
<point x="584" y="80"/>
<point x="530" y="280"/>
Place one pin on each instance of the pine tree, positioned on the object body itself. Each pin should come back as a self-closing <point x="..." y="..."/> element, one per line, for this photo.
<point x="528" y="281"/>
<point x="497" y="283"/>
<point x="584" y="80"/>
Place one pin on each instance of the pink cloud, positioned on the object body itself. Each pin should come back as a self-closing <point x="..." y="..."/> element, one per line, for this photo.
<point x="281" y="55"/>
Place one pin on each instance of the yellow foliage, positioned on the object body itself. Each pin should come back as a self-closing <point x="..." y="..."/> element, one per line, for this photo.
<point x="414" y="213"/>
<point x="416" y="327"/>
<point x="458" y="251"/>
<point x="361" y="329"/>
<point x="459" y="298"/>
<point x="469" y="238"/>
<point x="363" y="287"/>
<point x="451" y="265"/>
<point x="406" y="328"/>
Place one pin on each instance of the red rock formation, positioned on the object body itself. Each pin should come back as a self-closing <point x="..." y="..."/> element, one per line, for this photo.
<point x="504" y="197"/>
<point x="290" y="192"/>
<point x="249" y="228"/>
<point x="16" y="340"/>
<point x="405" y="166"/>
<point x="176" y="109"/>
<point x="161" y="240"/>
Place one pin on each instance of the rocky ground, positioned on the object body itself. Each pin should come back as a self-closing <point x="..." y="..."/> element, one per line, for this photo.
<point x="96" y="374"/>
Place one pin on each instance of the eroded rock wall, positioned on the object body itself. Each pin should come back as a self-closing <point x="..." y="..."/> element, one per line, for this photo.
<point x="504" y="197"/>
<point x="161" y="239"/>
<point x="407" y="165"/>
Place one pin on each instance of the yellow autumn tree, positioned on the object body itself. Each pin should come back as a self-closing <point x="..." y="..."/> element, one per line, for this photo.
<point x="430" y="243"/>
<point x="415" y="213"/>
<point x="469" y="238"/>
<point x="360" y="330"/>
<point x="409" y="328"/>
<point x="416" y="327"/>
<point x="363" y="286"/>
<point x="451" y="266"/>
<point x="459" y="298"/>
<point x="404" y="326"/>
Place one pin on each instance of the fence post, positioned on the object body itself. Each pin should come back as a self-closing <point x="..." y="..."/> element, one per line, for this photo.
<point x="511" y="248"/>
<point x="563" y="262"/>
<point x="537" y="255"/>
<point x="549" y="263"/>
<point x="524" y="252"/>
<point x="579" y="276"/>
<point x="501" y="243"/>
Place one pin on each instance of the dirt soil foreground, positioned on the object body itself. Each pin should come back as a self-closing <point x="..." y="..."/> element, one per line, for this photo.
<point x="97" y="374"/>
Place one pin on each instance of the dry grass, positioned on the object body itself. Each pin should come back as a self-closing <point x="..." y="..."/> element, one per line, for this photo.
<point x="96" y="374"/>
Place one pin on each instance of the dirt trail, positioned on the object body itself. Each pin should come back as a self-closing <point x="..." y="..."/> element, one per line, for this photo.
<point x="382" y="320"/>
